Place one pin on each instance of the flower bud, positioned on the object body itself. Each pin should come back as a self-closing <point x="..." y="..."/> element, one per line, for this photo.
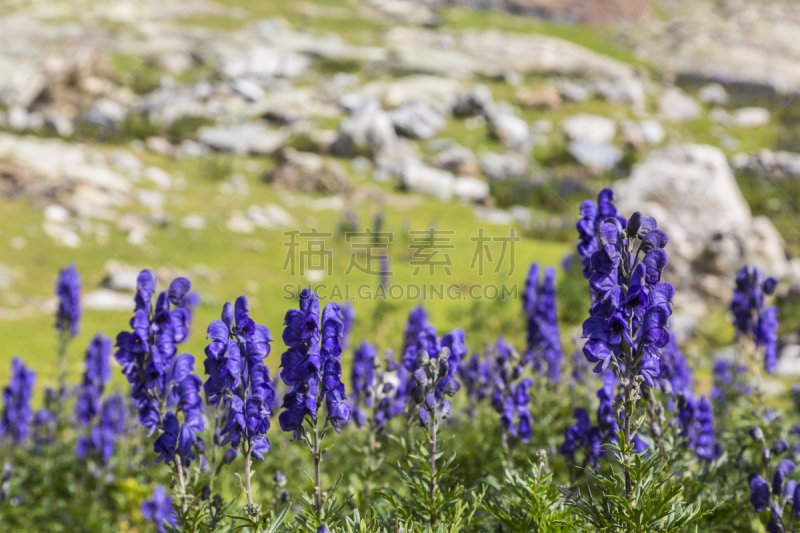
<point x="452" y="387"/>
<point x="430" y="402"/>
<point x="780" y="447"/>
<point x="229" y="456"/>
<point x="421" y="378"/>
<point x="205" y="493"/>
<point x="423" y="358"/>
<point x="445" y="408"/>
<point x="285" y="496"/>
<point x="756" y="434"/>
<point x="444" y="366"/>
<point x="424" y="418"/>
<point x="200" y="446"/>
<point x="418" y="395"/>
<point x="279" y="479"/>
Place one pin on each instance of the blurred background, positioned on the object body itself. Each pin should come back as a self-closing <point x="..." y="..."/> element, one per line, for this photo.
<point x="190" y="136"/>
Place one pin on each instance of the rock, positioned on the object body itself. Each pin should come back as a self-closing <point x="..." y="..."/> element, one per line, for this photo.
<point x="477" y="101"/>
<point x="691" y="192"/>
<point x="778" y="164"/>
<point x="307" y="172"/>
<point x="456" y="159"/>
<point x="417" y="121"/>
<point x="627" y="89"/>
<point x="159" y="145"/>
<point x="676" y="106"/>
<point x="248" y="89"/>
<point x="789" y="362"/>
<point x="369" y="132"/>
<point x="713" y="93"/>
<point x="238" y="222"/>
<point x="270" y="216"/>
<point x="545" y="98"/>
<point x="592" y="128"/>
<point x="429" y="181"/>
<point x="193" y="221"/>
<point x="471" y="189"/>
<point x="750" y="117"/>
<point x="494" y="216"/>
<point x="721" y="116"/>
<point x="56" y="213"/>
<point x="573" y="92"/>
<point x="511" y="130"/>
<point x="502" y="166"/>
<point x="62" y="234"/>
<point x="652" y="131"/>
<point x="600" y="156"/>
<point x="107" y="300"/>
<point x="242" y="139"/>
<point x="120" y="277"/>
<point x="175" y="62"/>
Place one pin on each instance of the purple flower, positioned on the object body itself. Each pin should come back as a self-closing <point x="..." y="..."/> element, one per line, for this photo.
<point x="750" y="316"/>
<point x="68" y="291"/>
<point x="705" y="442"/>
<point x="95" y="377"/>
<point x="759" y="493"/>
<point x="312" y="365"/>
<point x="539" y="302"/>
<point x="238" y="378"/>
<point x="477" y="377"/>
<point x="362" y="375"/>
<point x="17" y="413"/>
<point x="348" y="319"/>
<point x="158" y="509"/>
<point x="577" y="435"/>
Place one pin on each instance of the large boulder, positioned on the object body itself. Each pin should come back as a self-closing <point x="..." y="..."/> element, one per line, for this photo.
<point x="308" y="172"/>
<point x="584" y="127"/>
<point x="691" y="191"/>
<point x="417" y="121"/>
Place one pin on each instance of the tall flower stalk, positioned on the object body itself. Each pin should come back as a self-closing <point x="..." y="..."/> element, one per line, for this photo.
<point x="312" y="368"/>
<point x="240" y="382"/>
<point x="627" y="327"/>
<point x="68" y="318"/>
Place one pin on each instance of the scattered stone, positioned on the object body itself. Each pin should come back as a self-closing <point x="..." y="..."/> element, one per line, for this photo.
<point x="511" y="130"/>
<point x="246" y="138"/>
<point x="596" y="155"/>
<point x="789" y="362"/>
<point x="471" y="189"/>
<point x="594" y="128"/>
<point x="159" y="145"/>
<point x="240" y="223"/>
<point x="677" y="106"/>
<point x="107" y="300"/>
<point x="502" y="166"/>
<point x="573" y="92"/>
<point x="494" y="216"/>
<point x="547" y="98"/>
<point x="307" y="172"/>
<point x="423" y="179"/>
<point x="369" y="132"/>
<point x="652" y="131"/>
<point x="778" y="164"/>
<point x="713" y="93"/>
<point x="750" y="117"/>
<point x="477" y="101"/>
<point x="193" y="221"/>
<point x="456" y="159"/>
<point x="417" y="121"/>
<point x="248" y="89"/>
<point x="627" y="89"/>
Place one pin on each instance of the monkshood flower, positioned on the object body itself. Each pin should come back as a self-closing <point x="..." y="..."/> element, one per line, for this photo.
<point x="240" y="381"/>
<point x="696" y="420"/>
<point x="362" y="377"/>
<point x="544" y="345"/>
<point x="17" y="413"/>
<point x="510" y="397"/>
<point x="583" y="436"/>
<point x="95" y="377"/>
<point x="476" y="375"/>
<point x="147" y="352"/>
<point x="158" y="509"/>
<point x="102" y="439"/>
<point x="348" y="319"/>
<point x="312" y="368"/>
<point x="676" y="376"/>
<point x="751" y="318"/>
<point x="68" y="292"/>
<point x="729" y="381"/>
<point x="592" y="216"/>
<point x="417" y="319"/>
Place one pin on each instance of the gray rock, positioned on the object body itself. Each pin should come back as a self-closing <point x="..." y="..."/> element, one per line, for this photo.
<point x="789" y="362"/>
<point x="369" y="132"/>
<point x="456" y="159"/>
<point x="242" y="139"/>
<point x="502" y="166"/>
<point x="477" y="101"/>
<point x="471" y="189"/>
<point x="677" y="106"/>
<point x="573" y="92"/>
<point x="307" y="172"/>
<point x="107" y="300"/>
<point x="511" y="130"/>
<point x="249" y="89"/>
<point x="594" y="128"/>
<point x="429" y="181"/>
<point x="417" y="121"/>
<point x="652" y="131"/>
<point x="600" y="156"/>
<point x="691" y="191"/>
<point x="629" y="90"/>
<point x="713" y="93"/>
<point x="494" y="216"/>
<point x="751" y="117"/>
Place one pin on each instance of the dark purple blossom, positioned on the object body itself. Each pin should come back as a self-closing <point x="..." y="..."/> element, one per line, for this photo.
<point x="362" y="377"/>
<point x="68" y="292"/>
<point x="348" y="319"/>
<point x="103" y="436"/>
<point x="158" y="509"/>
<point x="577" y="435"/>
<point x="539" y="302"/>
<point x="17" y="413"/>
<point x="95" y="377"/>
<point x="751" y="318"/>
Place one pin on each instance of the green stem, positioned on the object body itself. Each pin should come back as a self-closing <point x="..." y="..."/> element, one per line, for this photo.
<point x="432" y="461"/>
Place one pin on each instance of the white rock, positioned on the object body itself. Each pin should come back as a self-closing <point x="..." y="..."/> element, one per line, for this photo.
<point x="713" y="93"/>
<point x="63" y="235"/>
<point x="494" y="216"/>
<point x="159" y="177"/>
<point x="652" y="131"/>
<point x="511" y="130"/>
<point x="677" y="106"/>
<point x="501" y="166"/>
<point x="240" y="223"/>
<point x="471" y="189"/>
<point x="249" y="89"/>
<point x="601" y="156"/>
<point x="789" y="362"/>
<point x="583" y="127"/>
<point x="107" y="300"/>
<point x="193" y="221"/>
<point x="159" y="145"/>
<point x="417" y="121"/>
<point x="423" y="179"/>
<point x="56" y="213"/>
<point x="751" y="117"/>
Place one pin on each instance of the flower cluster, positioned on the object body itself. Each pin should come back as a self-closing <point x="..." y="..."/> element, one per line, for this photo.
<point x="348" y="319"/>
<point x="68" y="292"/>
<point x="592" y="217"/>
<point x="158" y="509"/>
<point x="628" y="319"/>
<point x="158" y="379"/>
<point x="782" y="492"/>
<point x="539" y="302"/>
<point x="430" y="376"/>
<point x="676" y="376"/>
<point x="510" y="398"/>
<point x="362" y="378"/>
<point x="476" y="375"/>
<point x="729" y="381"/>
<point x="583" y="436"/>
<point x="312" y="365"/>
<point x="751" y="318"/>
<point x="238" y="378"/>
<point x="16" y="417"/>
<point x="103" y="436"/>
<point x="696" y="419"/>
<point x="95" y="377"/>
